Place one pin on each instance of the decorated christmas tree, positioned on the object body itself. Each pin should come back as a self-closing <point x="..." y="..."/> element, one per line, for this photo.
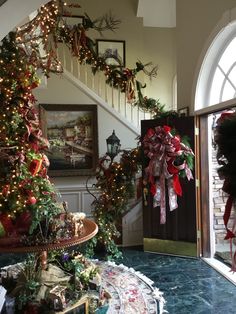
<point x="27" y="197"/>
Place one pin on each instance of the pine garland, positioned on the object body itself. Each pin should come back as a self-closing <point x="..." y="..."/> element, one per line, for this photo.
<point x="116" y="185"/>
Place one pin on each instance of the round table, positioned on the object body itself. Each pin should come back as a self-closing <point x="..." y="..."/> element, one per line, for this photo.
<point x="89" y="231"/>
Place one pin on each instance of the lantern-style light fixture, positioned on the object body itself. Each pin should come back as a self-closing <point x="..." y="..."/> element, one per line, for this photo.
<point x="113" y="145"/>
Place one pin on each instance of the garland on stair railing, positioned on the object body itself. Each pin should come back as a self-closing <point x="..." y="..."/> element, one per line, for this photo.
<point x="116" y="186"/>
<point x="49" y="28"/>
<point x="21" y="57"/>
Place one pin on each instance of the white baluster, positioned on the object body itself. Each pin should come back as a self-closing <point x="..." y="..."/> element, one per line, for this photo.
<point x="99" y="84"/>
<point x="112" y="94"/>
<point x="118" y="99"/>
<point x="125" y="104"/>
<point x="85" y="74"/>
<point x="78" y="69"/>
<point x="106" y="92"/>
<point x="93" y="81"/>
<point x="64" y="56"/>
<point x="138" y="116"/>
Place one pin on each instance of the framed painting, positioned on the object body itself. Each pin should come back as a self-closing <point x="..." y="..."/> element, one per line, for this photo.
<point x="183" y="112"/>
<point x="72" y="134"/>
<point x="72" y="20"/>
<point x="112" y="50"/>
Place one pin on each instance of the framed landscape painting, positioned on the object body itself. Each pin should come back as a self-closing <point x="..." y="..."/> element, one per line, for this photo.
<point x="72" y="134"/>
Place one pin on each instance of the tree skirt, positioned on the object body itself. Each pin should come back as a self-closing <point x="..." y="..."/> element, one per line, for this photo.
<point x="131" y="291"/>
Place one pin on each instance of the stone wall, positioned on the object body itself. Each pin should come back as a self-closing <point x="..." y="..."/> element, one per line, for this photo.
<point x="219" y="201"/>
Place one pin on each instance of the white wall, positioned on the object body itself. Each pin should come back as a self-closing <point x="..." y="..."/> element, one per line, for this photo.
<point x="60" y="91"/>
<point x="13" y="12"/>
<point x="196" y="21"/>
<point x="142" y="43"/>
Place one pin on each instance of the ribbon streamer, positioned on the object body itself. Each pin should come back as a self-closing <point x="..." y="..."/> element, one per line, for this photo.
<point x="162" y="148"/>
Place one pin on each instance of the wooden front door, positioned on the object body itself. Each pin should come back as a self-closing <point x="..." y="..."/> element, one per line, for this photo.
<point x="178" y="235"/>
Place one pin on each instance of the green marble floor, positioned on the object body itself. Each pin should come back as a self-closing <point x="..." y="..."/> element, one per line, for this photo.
<point x="189" y="285"/>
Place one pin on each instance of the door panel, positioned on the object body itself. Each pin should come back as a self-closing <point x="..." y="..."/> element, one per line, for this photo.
<point x="178" y="236"/>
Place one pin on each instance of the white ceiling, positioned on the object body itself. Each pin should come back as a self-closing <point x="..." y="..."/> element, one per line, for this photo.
<point x="157" y="13"/>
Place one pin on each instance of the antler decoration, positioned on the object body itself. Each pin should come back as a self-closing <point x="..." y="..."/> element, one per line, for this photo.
<point x="101" y="24"/>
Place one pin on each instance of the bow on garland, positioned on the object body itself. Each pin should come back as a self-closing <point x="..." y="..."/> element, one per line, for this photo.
<point x="169" y="158"/>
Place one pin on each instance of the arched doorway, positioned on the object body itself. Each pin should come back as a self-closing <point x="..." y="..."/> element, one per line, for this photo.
<point x="215" y="91"/>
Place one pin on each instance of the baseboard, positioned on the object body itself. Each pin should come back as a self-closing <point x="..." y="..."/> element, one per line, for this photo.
<point x="170" y="247"/>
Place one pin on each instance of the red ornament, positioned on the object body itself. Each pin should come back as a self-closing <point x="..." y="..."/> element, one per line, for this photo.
<point x="5" y="190"/>
<point x="31" y="200"/>
<point x="23" y="223"/>
<point x="7" y="223"/>
<point x="32" y="308"/>
<point x="35" y="166"/>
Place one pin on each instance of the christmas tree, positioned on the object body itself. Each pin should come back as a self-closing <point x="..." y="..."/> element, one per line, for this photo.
<point x="28" y="206"/>
<point x="27" y="197"/>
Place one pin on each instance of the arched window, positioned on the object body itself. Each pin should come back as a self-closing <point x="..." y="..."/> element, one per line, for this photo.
<point x="223" y="86"/>
<point x="216" y="81"/>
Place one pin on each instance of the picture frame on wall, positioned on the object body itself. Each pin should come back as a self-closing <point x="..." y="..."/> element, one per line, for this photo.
<point x="72" y="20"/>
<point x="112" y="50"/>
<point x="183" y="112"/>
<point x="73" y="137"/>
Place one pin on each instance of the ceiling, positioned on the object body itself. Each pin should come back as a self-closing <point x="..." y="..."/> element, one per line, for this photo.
<point x="157" y="13"/>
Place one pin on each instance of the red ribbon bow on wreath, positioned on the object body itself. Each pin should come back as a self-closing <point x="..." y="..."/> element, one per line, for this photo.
<point x="165" y="151"/>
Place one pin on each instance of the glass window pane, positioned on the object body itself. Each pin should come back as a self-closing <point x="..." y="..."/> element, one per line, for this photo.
<point x="216" y="87"/>
<point x="232" y="76"/>
<point x="228" y="92"/>
<point x="228" y="57"/>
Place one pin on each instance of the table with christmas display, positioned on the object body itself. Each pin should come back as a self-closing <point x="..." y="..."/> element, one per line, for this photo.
<point x="89" y="230"/>
<point x="51" y="277"/>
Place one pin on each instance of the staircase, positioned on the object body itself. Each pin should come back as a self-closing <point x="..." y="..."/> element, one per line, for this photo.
<point x="95" y="86"/>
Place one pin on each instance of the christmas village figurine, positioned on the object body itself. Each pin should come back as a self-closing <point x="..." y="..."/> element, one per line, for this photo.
<point x="58" y="297"/>
<point x="69" y="278"/>
<point x="68" y="225"/>
<point x="78" y="219"/>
